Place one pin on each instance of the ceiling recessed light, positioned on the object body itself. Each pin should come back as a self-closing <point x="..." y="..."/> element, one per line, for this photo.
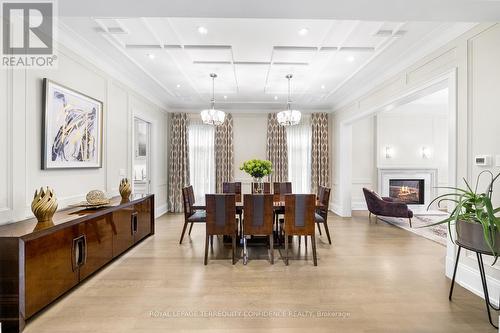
<point x="202" y="30"/>
<point x="151" y="56"/>
<point x="178" y="86"/>
<point x="225" y="97"/>
<point x="351" y="58"/>
<point x="275" y="98"/>
<point x="322" y="86"/>
<point x="303" y="31"/>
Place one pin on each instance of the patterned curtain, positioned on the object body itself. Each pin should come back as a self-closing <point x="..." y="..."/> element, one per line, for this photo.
<point x="320" y="152"/>
<point x="178" y="168"/>
<point x="224" y="153"/>
<point x="277" y="150"/>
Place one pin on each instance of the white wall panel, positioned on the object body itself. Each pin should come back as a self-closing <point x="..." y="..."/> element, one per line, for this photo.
<point x="73" y="184"/>
<point x="5" y="139"/>
<point x="21" y="173"/>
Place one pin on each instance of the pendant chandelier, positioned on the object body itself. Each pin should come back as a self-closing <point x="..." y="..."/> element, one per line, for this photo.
<point x="212" y="116"/>
<point x="289" y="117"/>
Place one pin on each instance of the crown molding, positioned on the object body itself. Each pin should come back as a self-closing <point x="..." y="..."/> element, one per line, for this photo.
<point x="77" y="44"/>
<point x="426" y="46"/>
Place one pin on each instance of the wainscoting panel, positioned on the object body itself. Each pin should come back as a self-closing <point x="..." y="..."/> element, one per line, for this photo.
<point x="5" y="140"/>
<point x="358" y="199"/>
<point x="20" y="137"/>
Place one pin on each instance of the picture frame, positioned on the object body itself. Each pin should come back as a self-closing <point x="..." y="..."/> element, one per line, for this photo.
<point x="72" y="128"/>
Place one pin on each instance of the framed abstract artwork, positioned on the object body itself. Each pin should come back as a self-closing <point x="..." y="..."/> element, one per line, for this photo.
<point x="72" y="128"/>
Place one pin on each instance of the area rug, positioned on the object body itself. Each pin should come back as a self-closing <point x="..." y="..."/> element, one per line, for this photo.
<point x="437" y="233"/>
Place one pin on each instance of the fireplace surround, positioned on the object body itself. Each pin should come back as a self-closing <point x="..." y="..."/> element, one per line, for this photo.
<point x="416" y="187"/>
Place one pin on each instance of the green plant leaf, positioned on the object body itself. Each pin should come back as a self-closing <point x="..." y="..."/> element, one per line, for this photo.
<point x="440" y="197"/>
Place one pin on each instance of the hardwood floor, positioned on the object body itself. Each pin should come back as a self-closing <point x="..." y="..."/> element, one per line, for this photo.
<point x="373" y="278"/>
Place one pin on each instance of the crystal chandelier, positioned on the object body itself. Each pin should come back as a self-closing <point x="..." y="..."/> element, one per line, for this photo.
<point x="212" y="116"/>
<point x="289" y="117"/>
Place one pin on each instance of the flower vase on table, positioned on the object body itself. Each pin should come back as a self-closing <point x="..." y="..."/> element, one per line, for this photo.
<point x="258" y="169"/>
<point x="259" y="185"/>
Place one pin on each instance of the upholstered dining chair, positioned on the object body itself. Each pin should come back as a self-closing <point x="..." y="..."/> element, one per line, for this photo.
<point x="321" y="215"/>
<point x="191" y="215"/>
<point x="221" y="219"/>
<point x="299" y="219"/>
<point x="267" y="188"/>
<point x="258" y="220"/>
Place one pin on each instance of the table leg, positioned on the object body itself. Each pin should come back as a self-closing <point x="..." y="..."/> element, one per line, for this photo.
<point x="244" y="241"/>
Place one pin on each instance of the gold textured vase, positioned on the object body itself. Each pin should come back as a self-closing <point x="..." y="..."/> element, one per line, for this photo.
<point x="125" y="189"/>
<point x="44" y="205"/>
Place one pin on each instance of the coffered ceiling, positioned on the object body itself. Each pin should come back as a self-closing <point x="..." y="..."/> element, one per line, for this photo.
<point x="250" y="56"/>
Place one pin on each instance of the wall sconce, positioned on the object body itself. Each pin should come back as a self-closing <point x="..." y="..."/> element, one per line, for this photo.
<point x="389" y="152"/>
<point x="425" y="152"/>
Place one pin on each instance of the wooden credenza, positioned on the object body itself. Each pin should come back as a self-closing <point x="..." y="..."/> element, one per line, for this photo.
<point x="39" y="263"/>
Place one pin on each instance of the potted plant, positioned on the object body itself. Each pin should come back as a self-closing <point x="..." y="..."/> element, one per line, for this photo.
<point x="258" y="169"/>
<point x="477" y="227"/>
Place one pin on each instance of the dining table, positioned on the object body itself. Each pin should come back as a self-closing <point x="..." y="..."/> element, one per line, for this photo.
<point x="278" y="206"/>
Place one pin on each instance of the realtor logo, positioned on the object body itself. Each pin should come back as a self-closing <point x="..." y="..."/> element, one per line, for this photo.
<point x="27" y="34"/>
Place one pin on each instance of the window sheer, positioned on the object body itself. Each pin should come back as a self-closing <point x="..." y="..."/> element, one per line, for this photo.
<point x="201" y="159"/>
<point x="299" y="156"/>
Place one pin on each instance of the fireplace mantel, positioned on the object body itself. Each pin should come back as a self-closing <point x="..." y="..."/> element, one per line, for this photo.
<point x="429" y="175"/>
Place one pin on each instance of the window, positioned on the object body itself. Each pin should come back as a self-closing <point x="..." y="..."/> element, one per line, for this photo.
<point x="299" y="156"/>
<point x="201" y="159"/>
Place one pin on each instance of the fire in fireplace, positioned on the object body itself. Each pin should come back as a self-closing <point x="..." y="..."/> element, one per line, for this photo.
<point x="409" y="191"/>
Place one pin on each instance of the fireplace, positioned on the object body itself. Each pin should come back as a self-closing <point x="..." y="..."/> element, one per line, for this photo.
<point x="409" y="191"/>
<point x="426" y="180"/>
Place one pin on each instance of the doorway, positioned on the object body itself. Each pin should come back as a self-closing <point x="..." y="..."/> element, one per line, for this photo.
<point x="142" y="156"/>
<point x="346" y="144"/>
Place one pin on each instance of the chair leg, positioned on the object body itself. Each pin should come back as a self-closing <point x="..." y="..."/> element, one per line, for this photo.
<point x="286" y="249"/>
<point x="206" y="249"/>
<point x="271" y="248"/>
<point x="313" y="243"/>
<point x="305" y="242"/>
<point x="234" y="248"/>
<point x="319" y="228"/>
<point x="370" y="216"/>
<point x="190" y="228"/>
<point x="328" y="233"/>
<point x="410" y="223"/>
<point x="183" y="231"/>
<point x="300" y="240"/>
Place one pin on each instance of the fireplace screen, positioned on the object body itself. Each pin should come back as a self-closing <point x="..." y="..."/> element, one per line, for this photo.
<point x="409" y="191"/>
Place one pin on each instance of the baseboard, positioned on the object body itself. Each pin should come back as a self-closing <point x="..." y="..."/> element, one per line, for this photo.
<point x="360" y="205"/>
<point x="335" y="208"/>
<point x="470" y="279"/>
<point x="160" y="210"/>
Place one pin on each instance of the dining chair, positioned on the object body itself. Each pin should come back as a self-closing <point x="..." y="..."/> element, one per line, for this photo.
<point x="191" y="215"/>
<point x="280" y="189"/>
<point x="321" y="214"/>
<point x="299" y="219"/>
<point x="232" y="187"/>
<point x="221" y="219"/>
<point x="267" y="188"/>
<point x="258" y="220"/>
